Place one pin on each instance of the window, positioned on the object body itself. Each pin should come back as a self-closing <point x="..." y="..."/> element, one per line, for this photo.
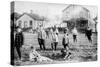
<point x="30" y="23"/>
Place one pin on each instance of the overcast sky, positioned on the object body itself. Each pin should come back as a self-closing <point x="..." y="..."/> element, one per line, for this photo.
<point x="47" y="9"/>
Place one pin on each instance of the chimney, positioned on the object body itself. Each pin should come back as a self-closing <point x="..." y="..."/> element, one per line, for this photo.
<point x="31" y="11"/>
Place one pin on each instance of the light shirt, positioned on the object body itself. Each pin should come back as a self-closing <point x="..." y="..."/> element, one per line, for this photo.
<point x="55" y="37"/>
<point x="56" y="31"/>
<point x="41" y="34"/>
<point x="74" y="31"/>
<point x="33" y="54"/>
<point x="66" y="38"/>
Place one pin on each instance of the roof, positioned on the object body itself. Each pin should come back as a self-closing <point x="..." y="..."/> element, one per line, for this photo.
<point x="72" y="5"/>
<point x="33" y="16"/>
<point x="76" y="11"/>
<point x="15" y="16"/>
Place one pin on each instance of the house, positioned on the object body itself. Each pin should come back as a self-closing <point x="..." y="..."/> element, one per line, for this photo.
<point x="29" y="20"/>
<point x="77" y="16"/>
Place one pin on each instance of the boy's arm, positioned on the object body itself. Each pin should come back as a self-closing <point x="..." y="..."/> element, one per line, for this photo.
<point x="65" y="57"/>
<point x="67" y="54"/>
<point x="21" y="39"/>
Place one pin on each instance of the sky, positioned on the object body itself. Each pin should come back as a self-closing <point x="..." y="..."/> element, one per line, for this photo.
<point x="49" y="10"/>
<point x="43" y="9"/>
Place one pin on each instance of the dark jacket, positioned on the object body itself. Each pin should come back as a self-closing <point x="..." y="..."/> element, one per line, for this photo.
<point x="88" y="32"/>
<point x="19" y="39"/>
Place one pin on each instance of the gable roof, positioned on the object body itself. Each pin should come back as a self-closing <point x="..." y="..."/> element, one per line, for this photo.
<point x="33" y="16"/>
<point x="76" y="11"/>
<point x="15" y="16"/>
<point x="74" y="6"/>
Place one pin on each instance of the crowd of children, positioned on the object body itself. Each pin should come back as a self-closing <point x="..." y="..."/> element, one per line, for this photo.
<point x="34" y="56"/>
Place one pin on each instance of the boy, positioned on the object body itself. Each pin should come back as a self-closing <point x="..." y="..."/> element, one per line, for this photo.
<point x="19" y="40"/>
<point x="55" y="40"/>
<point x="65" y="40"/>
<point x="51" y="38"/>
<point x="88" y="33"/>
<point x="41" y="38"/>
<point x="65" y="53"/>
<point x="75" y="33"/>
<point x="34" y="56"/>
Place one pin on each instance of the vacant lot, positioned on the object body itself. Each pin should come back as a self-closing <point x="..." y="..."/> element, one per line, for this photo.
<point x="80" y="51"/>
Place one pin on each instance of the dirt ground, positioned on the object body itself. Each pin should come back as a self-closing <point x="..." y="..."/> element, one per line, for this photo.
<point x="81" y="51"/>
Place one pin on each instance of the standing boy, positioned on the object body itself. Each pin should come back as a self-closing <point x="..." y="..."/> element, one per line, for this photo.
<point x="41" y="38"/>
<point x="65" y="41"/>
<point x="19" y="41"/>
<point x="74" y="31"/>
<point x="55" y="39"/>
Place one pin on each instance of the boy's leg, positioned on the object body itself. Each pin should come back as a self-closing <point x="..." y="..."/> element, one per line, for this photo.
<point x="66" y="57"/>
<point x="64" y="46"/>
<point x="68" y="45"/>
<point x="76" y="38"/>
<point x="39" y="41"/>
<point x="18" y="51"/>
<point x="56" y="45"/>
<point x="73" y="38"/>
<point x="52" y="46"/>
<point x="89" y="37"/>
<point x="43" y="44"/>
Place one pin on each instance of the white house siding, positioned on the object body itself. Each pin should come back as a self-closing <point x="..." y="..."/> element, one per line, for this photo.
<point x="25" y="22"/>
<point x="25" y="19"/>
<point x="34" y="26"/>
